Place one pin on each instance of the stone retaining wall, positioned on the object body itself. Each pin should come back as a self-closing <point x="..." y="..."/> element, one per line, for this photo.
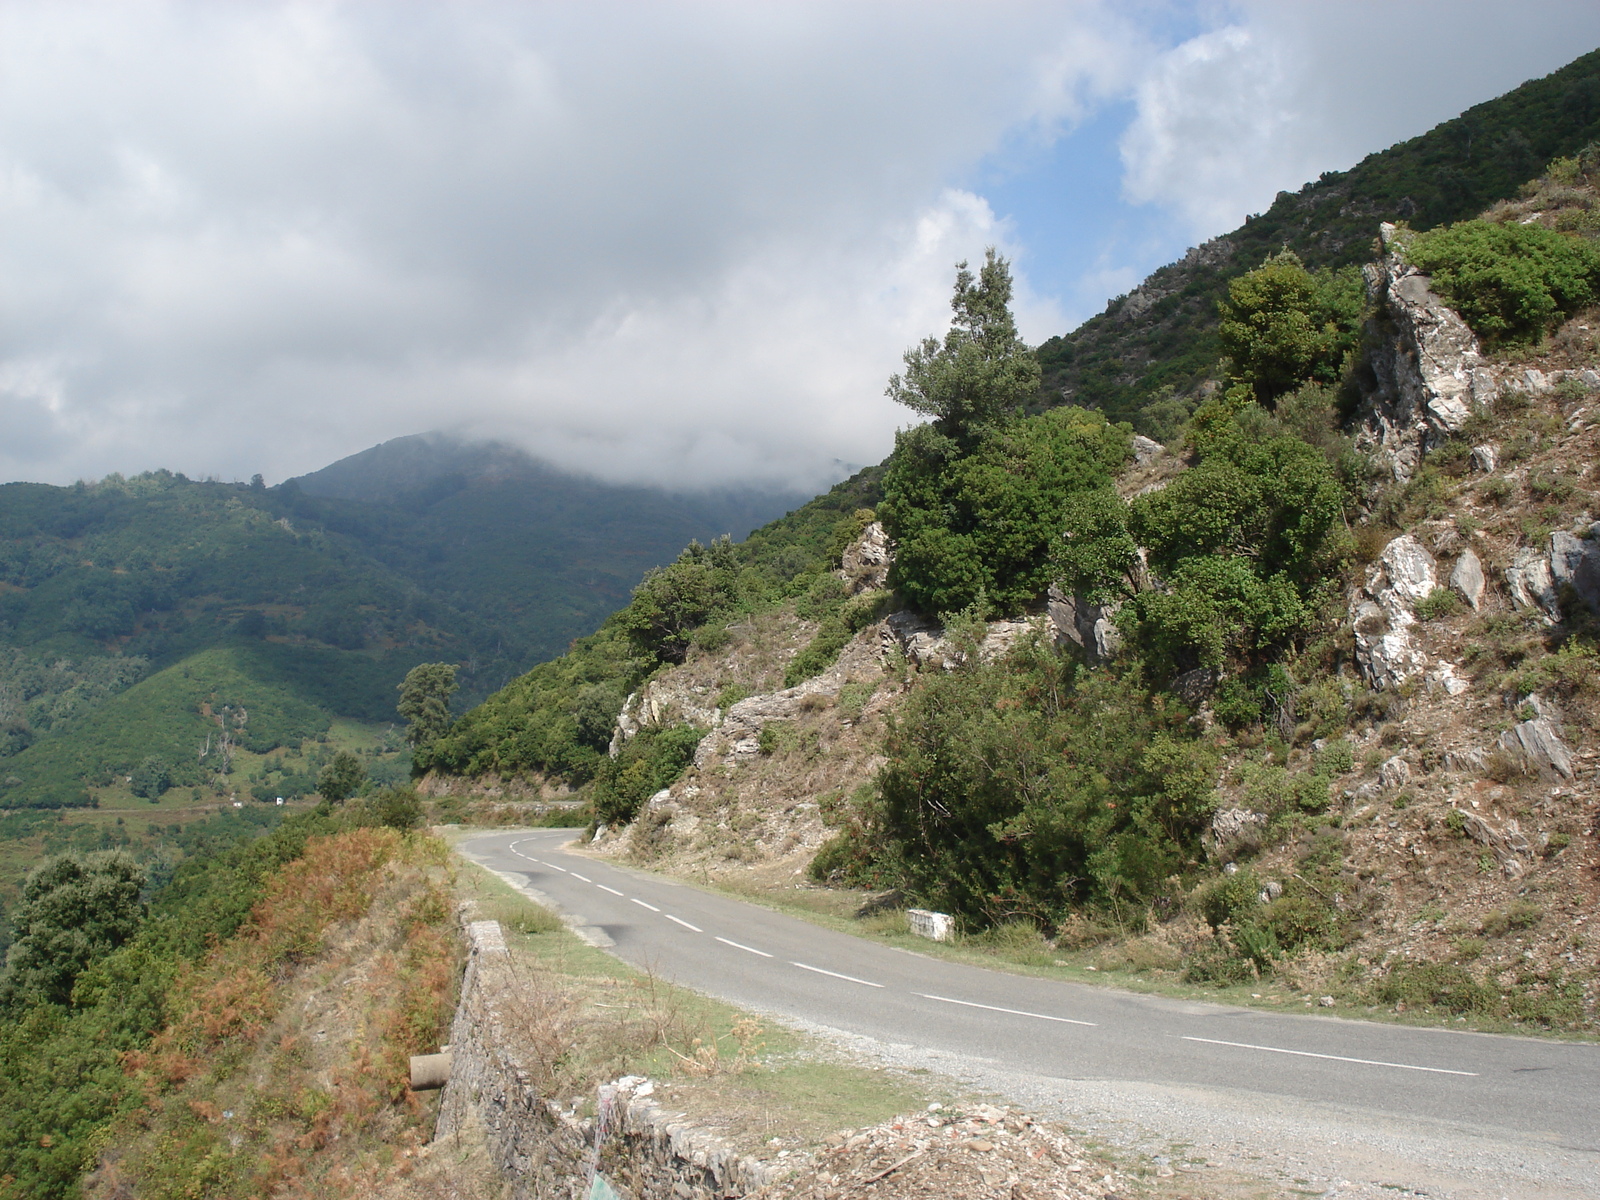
<point x="541" y="1147"/>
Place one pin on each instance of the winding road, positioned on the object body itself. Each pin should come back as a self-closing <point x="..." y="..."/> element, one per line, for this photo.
<point x="1508" y="1091"/>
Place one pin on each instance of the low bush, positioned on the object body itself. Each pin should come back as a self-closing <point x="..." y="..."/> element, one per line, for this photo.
<point x="1512" y="283"/>
<point x="1437" y="985"/>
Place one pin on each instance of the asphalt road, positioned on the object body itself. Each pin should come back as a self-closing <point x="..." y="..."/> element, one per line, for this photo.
<point x="1493" y="1087"/>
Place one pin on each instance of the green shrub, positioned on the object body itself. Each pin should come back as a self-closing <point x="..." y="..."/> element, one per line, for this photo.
<point x="1512" y="283"/>
<point x="981" y="520"/>
<point x="1283" y="326"/>
<point x="1519" y="914"/>
<point x="1437" y="985"/>
<point x="652" y="759"/>
<point x="1439" y="603"/>
<point x="1336" y="758"/>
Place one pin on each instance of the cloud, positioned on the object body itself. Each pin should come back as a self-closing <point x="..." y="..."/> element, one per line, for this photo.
<point x="1279" y="93"/>
<point x="675" y="242"/>
<point x="683" y="243"/>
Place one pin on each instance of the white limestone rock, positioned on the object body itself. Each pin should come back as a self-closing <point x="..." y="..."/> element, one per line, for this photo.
<point x="865" y="564"/>
<point x="1384" y="612"/>
<point x="1486" y="458"/>
<point x="1395" y="773"/>
<point x="1532" y="585"/>
<point x="1145" y="449"/>
<point x="1428" y="372"/>
<point x="1466" y="577"/>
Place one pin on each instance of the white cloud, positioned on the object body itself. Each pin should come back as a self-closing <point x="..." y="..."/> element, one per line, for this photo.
<point x="1282" y="92"/>
<point x="681" y="242"/>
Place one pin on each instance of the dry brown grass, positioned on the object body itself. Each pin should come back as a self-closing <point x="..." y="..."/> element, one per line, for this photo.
<point x="282" y="1070"/>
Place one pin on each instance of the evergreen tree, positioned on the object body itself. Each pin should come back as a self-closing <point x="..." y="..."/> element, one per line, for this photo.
<point x="982" y="373"/>
<point x="74" y="910"/>
<point x="425" y="701"/>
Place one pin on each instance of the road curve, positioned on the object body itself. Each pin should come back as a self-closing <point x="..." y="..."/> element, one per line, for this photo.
<point x="1541" y="1092"/>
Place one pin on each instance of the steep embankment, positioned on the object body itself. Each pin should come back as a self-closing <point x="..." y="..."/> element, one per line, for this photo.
<point x="282" y="1067"/>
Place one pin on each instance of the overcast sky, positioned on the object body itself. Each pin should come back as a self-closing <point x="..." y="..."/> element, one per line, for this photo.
<point x="679" y="243"/>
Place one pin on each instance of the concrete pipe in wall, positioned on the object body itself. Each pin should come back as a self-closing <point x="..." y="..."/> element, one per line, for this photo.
<point x="429" y="1071"/>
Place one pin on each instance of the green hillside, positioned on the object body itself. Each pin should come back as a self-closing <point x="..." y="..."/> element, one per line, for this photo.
<point x="317" y="604"/>
<point x="1159" y="342"/>
<point x="187" y="721"/>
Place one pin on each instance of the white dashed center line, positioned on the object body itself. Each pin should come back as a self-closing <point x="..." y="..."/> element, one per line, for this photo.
<point x="740" y="946"/>
<point x="585" y="878"/>
<point x="685" y="924"/>
<point x="1365" y="1062"/>
<point x="1015" y="1012"/>
<point x="642" y="904"/>
<point x="836" y="975"/>
<point x="553" y="867"/>
<point x="604" y="888"/>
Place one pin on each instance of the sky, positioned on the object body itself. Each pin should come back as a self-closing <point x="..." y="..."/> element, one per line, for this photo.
<point x="674" y="243"/>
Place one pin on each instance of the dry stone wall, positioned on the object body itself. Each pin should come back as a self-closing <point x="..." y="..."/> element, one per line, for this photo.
<point x="545" y="1150"/>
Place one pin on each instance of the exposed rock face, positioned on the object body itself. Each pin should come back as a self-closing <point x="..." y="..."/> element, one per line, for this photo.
<point x="1467" y="578"/>
<point x="922" y="639"/>
<point x="866" y="561"/>
<point x="1384" y="612"/>
<point x="1429" y="372"/>
<point x="1538" y="742"/>
<point x="1230" y="823"/>
<point x="1145" y="449"/>
<point x="1395" y="773"/>
<point x="1486" y="458"/>
<point x="1507" y="843"/>
<point x="661" y="703"/>
<point x="1575" y="563"/>
<point x="1532" y="585"/>
<point x="1090" y="627"/>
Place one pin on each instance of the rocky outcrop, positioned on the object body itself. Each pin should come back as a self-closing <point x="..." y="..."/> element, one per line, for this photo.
<point x="1531" y="584"/>
<point x="1384" y="612"/>
<point x="1426" y="368"/>
<point x="1090" y="627"/>
<point x="922" y="639"/>
<point x="1538" y="744"/>
<point x="1575" y="564"/>
<point x="664" y="702"/>
<point x="1509" y="846"/>
<point x="865" y="564"/>
<point x="1467" y="578"/>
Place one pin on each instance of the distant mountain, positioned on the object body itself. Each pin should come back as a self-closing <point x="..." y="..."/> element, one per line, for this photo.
<point x="117" y="597"/>
<point x="541" y="554"/>
<point x="1159" y="341"/>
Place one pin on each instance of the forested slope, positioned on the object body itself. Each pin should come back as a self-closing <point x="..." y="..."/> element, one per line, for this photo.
<point x="1143" y="358"/>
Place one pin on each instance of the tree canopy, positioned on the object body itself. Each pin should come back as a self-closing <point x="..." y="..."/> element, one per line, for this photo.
<point x="981" y="373"/>
<point x="74" y="910"/>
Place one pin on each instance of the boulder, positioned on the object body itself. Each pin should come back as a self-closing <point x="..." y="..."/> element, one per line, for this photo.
<point x="1532" y="585"/>
<point x="1145" y="449"/>
<point x="1229" y="823"/>
<point x="1467" y="578"/>
<point x="1395" y="773"/>
<point x="1410" y="568"/>
<point x="1575" y="563"/>
<point x="1538" y="742"/>
<point x="1486" y="458"/>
